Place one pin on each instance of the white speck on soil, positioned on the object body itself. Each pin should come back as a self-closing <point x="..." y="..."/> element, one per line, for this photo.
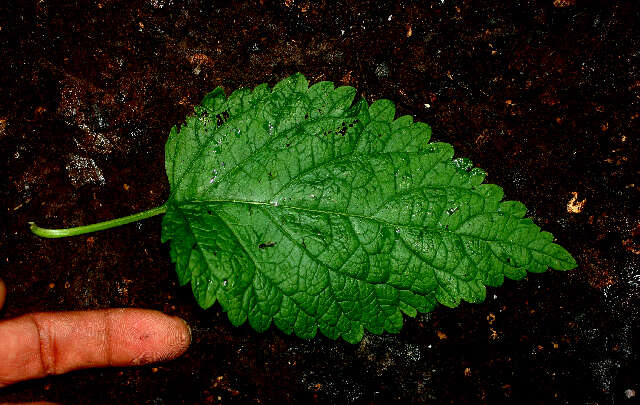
<point x="82" y="171"/>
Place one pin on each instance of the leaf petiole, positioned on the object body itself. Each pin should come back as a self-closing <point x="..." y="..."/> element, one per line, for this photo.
<point x="80" y="230"/>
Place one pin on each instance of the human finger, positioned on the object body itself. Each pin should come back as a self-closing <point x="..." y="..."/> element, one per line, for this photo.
<point x="41" y="344"/>
<point x="3" y="293"/>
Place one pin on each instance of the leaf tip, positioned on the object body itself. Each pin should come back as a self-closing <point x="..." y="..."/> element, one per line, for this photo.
<point x="568" y="262"/>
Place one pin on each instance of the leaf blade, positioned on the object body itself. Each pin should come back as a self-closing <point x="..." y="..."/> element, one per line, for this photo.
<point x="314" y="212"/>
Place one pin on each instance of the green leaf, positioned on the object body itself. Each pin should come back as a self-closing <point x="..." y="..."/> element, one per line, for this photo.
<point x="297" y="206"/>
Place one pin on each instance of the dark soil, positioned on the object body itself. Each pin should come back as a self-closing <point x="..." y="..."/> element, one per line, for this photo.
<point x="543" y="95"/>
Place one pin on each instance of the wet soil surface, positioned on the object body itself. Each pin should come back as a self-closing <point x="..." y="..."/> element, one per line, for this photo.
<point x="543" y="95"/>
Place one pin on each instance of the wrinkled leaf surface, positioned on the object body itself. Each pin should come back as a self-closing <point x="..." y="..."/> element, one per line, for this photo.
<point x="296" y="206"/>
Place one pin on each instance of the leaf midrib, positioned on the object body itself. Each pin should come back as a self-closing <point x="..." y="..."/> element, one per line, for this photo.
<point x="365" y="217"/>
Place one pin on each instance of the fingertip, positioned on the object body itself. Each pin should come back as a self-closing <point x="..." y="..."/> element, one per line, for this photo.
<point x="180" y="338"/>
<point x="150" y="336"/>
<point x="189" y="333"/>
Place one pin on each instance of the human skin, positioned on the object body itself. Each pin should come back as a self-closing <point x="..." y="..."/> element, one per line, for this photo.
<point x="46" y="343"/>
